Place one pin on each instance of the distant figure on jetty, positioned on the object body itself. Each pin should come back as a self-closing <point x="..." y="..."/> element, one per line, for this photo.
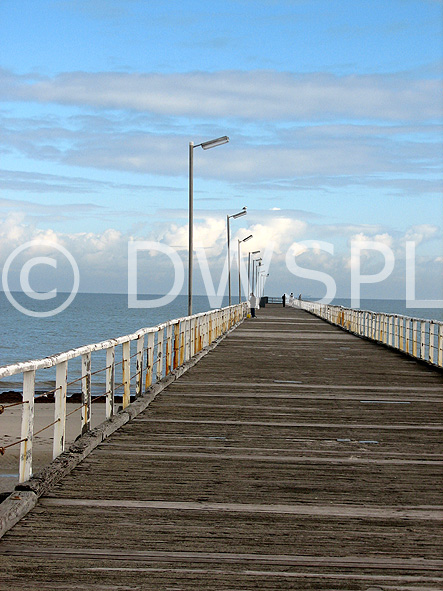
<point x="283" y="297"/>
<point x="252" y="304"/>
<point x="291" y="298"/>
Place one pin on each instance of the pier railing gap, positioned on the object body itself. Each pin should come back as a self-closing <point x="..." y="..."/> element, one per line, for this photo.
<point x="147" y="357"/>
<point x="418" y="337"/>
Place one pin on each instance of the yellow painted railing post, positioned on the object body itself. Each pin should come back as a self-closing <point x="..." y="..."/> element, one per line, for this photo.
<point x="139" y="366"/>
<point x="168" y="349"/>
<point x="149" y="360"/>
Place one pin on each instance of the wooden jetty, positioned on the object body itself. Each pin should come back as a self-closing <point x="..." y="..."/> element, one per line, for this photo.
<point x="293" y="456"/>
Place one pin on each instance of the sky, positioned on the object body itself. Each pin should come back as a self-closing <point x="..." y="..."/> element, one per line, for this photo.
<point x="334" y="112"/>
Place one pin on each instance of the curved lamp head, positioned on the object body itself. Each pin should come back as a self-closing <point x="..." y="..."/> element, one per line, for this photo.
<point x="213" y="143"/>
<point x="239" y="214"/>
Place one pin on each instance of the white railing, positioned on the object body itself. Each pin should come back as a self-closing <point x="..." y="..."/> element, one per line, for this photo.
<point x="418" y="337"/>
<point x="159" y="350"/>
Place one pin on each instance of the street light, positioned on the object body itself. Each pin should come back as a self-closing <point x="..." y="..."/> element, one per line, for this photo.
<point x="228" y="217"/>
<point x="206" y="146"/>
<point x="249" y="269"/>
<point x="254" y="274"/>
<point x="257" y="276"/>
<point x="239" y="266"/>
<point x="263" y="276"/>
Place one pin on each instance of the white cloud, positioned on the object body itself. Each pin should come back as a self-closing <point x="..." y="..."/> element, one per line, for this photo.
<point x="384" y="238"/>
<point x="263" y="94"/>
<point x="102" y="257"/>
<point x="421" y="233"/>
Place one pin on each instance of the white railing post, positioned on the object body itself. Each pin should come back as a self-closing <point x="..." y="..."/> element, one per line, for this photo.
<point x="203" y="331"/>
<point x="187" y="340"/>
<point x="210" y="328"/>
<point x="197" y="335"/>
<point x="414" y="337"/>
<point x="440" y="346"/>
<point x="126" y="373"/>
<point x="182" y="337"/>
<point x="61" y="379"/>
<point x="27" y="431"/>
<point x="86" y="393"/>
<point x="149" y="360"/>
<point x="192" y="328"/>
<point x="110" y="381"/>
<point x="423" y="340"/>
<point x="139" y="366"/>
<point x="159" y="371"/>
<point x="432" y="342"/>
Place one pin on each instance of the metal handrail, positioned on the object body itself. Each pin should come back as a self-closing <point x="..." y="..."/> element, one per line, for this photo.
<point x="169" y="346"/>
<point x="420" y="338"/>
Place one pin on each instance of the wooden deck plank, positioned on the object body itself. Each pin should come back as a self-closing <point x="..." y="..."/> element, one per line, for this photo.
<point x="293" y="456"/>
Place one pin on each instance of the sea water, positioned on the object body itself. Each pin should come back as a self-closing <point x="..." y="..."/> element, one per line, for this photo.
<point x="92" y="318"/>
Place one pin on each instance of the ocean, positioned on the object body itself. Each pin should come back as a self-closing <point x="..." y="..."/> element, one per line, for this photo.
<point x="91" y="318"/>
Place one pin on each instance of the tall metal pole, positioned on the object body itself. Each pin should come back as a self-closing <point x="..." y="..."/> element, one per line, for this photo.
<point x="229" y="259"/>
<point x="191" y="224"/>
<point x="239" y="274"/>
<point x="256" y="278"/>
<point x="249" y="271"/>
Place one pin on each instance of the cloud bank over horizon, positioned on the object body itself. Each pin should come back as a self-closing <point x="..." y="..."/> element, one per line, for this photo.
<point x="333" y="110"/>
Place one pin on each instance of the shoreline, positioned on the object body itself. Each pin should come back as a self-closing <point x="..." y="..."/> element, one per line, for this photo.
<point x="10" y="427"/>
<point x="16" y="396"/>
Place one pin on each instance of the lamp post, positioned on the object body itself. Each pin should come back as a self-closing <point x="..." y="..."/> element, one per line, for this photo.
<point x="249" y="269"/>
<point x="206" y="146"/>
<point x="254" y="275"/>
<point x="263" y="275"/>
<point x="228" y="217"/>
<point x="239" y="266"/>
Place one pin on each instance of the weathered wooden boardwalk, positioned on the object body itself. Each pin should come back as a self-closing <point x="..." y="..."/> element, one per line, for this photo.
<point x="293" y="456"/>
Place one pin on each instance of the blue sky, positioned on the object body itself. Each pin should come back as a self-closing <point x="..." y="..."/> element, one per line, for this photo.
<point x="333" y="109"/>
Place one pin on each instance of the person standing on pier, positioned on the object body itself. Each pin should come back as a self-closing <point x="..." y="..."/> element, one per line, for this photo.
<point x="253" y="304"/>
<point x="283" y="297"/>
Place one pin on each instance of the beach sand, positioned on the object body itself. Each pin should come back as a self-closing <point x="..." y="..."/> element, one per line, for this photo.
<point x="10" y="426"/>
